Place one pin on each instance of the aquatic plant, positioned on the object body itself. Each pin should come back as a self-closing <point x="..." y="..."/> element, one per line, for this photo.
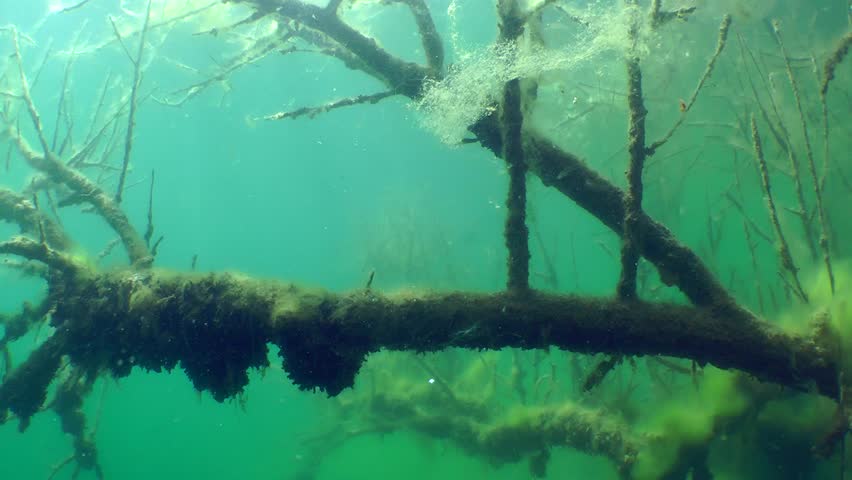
<point x="218" y="326"/>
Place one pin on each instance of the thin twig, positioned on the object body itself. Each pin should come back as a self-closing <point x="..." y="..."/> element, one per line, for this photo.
<point x="120" y="39"/>
<point x="739" y="207"/>
<point x="25" y="91"/>
<point x="66" y="77"/>
<point x="73" y="7"/>
<point x="99" y="106"/>
<point x="149" y="230"/>
<point x="134" y="91"/>
<point x="783" y="138"/>
<point x="260" y="49"/>
<point x="311" y="112"/>
<point x="660" y="17"/>
<point x="724" y="28"/>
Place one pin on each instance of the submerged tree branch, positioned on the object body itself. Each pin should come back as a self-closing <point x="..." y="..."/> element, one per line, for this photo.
<point x="218" y="326"/>
<point x="631" y="238"/>
<point x="18" y="209"/>
<point x="556" y="167"/>
<point x="515" y="230"/>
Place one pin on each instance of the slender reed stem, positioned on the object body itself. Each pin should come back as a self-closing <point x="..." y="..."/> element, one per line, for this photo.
<point x="784" y="254"/>
<point x="823" y="220"/>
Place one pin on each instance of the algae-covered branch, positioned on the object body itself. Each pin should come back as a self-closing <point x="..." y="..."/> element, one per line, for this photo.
<point x="718" y="312"/>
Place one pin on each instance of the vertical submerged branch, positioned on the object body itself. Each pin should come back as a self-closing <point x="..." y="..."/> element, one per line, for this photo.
<point x="134" y="94"/>
<point x="632" y="239"/>
<point x="782" y="136"/>
<point x="823" y="221"/>
<point x="631" y="243"/>
<point x="511" y="120"/>
<point x="433" y="46"/>
<point x="149" y="230"/>
<point x="50" y="164"/>
<point x="783" y="248"/>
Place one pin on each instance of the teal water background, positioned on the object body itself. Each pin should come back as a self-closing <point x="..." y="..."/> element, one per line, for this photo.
<point x="324" y="201"/>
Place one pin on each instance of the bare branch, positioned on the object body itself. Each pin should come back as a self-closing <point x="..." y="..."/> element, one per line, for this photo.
<point x="16" y="208"/>
<point x="32" y="250"/>
<point x="782" y="135"/>
<point x="720" y="45"/>
<point x="660" y="17"/>
<point x="433" y="46"/>
<point x="73" y="7"/>
<point x="91" y="193"/>
<point x="311" y="112"/>
<point x="784" y="254"/>
<point x="834" y="60"/>
<point x="25" y="92"/>
<point x="149" y="230"/>
<point x="259" y="50"/>
<point x="134" y="91"/>
<point x="823" y="219"/>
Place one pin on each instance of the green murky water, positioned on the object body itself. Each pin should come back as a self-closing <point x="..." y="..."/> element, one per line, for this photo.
<point x="394" y="189"/>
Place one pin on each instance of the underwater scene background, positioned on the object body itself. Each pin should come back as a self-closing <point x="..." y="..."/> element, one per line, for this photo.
<point x="254" y="150"/>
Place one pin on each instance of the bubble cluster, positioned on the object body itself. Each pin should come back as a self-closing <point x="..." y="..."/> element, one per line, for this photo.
<point x="472" y="86"/>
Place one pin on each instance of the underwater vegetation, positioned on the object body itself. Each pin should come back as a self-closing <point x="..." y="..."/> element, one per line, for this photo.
<point x="683" y="315"/>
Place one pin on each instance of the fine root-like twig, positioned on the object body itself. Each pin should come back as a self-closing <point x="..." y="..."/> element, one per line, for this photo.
<point x="259" y="50"/>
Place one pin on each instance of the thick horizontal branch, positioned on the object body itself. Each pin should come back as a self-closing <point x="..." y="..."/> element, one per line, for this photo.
<point x="218" y="326"/>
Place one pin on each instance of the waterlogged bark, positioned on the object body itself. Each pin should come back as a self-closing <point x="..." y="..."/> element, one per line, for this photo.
<point x="216" y="327"/>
